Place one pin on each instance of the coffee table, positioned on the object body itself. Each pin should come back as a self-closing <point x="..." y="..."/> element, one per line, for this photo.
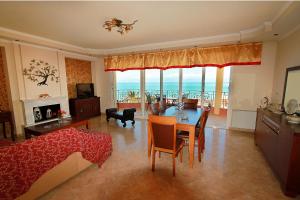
<point x="48" y="127"/>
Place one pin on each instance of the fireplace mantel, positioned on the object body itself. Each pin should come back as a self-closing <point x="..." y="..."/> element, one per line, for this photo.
<point x="29" y="104"/>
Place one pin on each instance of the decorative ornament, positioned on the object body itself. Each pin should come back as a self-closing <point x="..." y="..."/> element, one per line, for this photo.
<point x="264" y="103"/>
<point x="291" y="107"/>
<point x="40" y="71"/>
<point x="121" y="27"/>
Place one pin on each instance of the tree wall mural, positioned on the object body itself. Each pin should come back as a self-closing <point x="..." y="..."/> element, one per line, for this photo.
<point x="41" y="72"/>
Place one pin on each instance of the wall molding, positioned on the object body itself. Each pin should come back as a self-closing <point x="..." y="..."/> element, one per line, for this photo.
<point x="242" y="35"/>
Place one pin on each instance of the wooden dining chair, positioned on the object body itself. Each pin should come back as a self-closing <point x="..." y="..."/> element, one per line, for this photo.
<point x="199" y="132"/>
<point x="163" y="105"/>
<point x="164" y="138"/>
<point x="154" y="108"/>
<point x="190" y="103"/>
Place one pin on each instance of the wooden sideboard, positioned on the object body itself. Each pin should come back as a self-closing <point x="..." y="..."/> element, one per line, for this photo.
<point x="280" y="143"/>
<point x="85" y="108"/>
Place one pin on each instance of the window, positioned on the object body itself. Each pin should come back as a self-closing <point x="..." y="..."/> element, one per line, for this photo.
<point x="152" y="82"/>
<point x="128" y="86"/>
<point x="197" y="83"/>
<point x="171" y="85"/>
<point x="225" y="89"/>
<point x="192" y="83"/>
<point x="209" y="86"/>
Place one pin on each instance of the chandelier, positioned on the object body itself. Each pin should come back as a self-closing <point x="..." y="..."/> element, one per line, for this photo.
<point x="121" y="27"/>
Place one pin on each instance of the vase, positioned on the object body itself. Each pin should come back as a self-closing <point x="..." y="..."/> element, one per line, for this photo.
<point x="60" y="120"/>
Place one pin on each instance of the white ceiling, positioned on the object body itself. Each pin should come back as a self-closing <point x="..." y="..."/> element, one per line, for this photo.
<point x="77" y="26"/>
<point x="80" y="23"/>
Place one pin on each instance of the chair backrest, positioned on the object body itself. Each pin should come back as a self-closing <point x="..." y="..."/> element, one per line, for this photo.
<point x="163" y="105"/>
<point x="203" y="119"/>
<point x="154" y="108"/>
<point x="190" y="103"/>
<point x="163" y="131"/>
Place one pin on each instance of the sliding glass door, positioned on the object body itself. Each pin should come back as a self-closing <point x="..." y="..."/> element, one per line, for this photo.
<point x="152" y="87"/>
<point x="138" y="88"/>
<point x="128" y="94"/>
<point x="171" y="86"/>
<point x="192" y="83"/>
<point x="209" y="86"/>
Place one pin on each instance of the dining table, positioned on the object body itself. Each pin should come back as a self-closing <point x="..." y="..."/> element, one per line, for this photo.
<point x="186" y="120"/>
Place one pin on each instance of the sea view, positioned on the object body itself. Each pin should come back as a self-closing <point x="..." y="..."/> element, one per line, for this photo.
<point x="171" y="86"/>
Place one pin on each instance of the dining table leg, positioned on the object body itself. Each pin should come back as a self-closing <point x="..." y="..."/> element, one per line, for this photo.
<point x="191" y="145"/>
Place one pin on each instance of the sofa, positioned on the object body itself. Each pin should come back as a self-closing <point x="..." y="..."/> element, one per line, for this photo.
<point x="33" y="167"/>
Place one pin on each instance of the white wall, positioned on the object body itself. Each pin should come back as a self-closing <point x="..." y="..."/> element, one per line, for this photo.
<point x="17" y="56"/>
<point x="15" y="104"/>
<point x="104" y="84"/>
<point x="32" y="89"/>
<point x="288" y="55"/>
<point x="249" y="84"/>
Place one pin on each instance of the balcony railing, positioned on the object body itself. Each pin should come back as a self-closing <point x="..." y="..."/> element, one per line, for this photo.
<point x="205" y="98"/>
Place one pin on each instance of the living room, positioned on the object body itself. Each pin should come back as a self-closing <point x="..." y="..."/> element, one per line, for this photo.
<point x="88" y="60"/>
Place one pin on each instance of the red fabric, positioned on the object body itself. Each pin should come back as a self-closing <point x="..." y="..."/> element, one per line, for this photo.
<point x="23" y="163"/>
<point x="189" y="66"/>
<point x="5" y="142"/>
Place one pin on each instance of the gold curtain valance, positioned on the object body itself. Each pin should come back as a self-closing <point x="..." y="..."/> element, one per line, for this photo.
<point x="221" y="56"/>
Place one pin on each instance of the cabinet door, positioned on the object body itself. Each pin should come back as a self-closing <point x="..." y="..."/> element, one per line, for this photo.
<point x="285" y="144"/>
<point x="258" y="135"/>
<point x="272" y="148"/>
<point x="267" y="140"/>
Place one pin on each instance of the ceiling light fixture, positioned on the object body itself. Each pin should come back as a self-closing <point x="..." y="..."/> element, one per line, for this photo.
<point x="121" y="27"/>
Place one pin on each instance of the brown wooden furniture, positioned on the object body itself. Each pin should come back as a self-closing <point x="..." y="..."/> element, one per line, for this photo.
<point x="85" y="108"/>
<point x="190" y="103"/>
<point x="199" y="133"/>
<point x="163" y="105"/>
<point x="280" y="143"/>
<point x="6" y="116"/>
<point x="45" y="128"/>
<point x="164" y="138"/>
<point x="184" y="125"/>
<point x="125" y="115"/>
<point x="154" y="108"/>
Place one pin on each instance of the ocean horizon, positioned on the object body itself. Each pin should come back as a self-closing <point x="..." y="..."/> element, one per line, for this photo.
<point x="171" y="86"/>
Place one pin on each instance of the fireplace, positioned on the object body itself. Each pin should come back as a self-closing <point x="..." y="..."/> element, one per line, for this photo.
<point x="38" y="111"/>
<point x="44" y="113"/>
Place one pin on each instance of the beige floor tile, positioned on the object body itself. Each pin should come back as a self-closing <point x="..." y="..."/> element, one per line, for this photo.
<point x="232" y="168"/>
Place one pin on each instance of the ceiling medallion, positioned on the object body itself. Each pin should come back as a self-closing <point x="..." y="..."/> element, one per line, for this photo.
<point x="121" y="27"/>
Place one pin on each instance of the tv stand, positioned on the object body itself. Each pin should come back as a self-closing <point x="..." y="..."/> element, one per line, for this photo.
<point x="85" y="108"/>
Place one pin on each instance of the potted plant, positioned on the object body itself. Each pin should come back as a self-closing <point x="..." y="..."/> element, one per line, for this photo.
<point x="149" y="99"/>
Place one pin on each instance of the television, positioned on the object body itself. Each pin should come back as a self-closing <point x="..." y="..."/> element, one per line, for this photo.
<point x="85" y="90"/>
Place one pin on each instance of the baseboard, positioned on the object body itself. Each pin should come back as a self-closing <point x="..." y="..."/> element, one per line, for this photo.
<point x="241" y="129"/>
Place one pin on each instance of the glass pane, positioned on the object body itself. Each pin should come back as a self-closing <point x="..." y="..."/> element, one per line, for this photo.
<point x="152" y="84"/>
<point x="210" y="85"/>
<point x="171" y="85"/>
<point x="128" y="89"/>
<point x="192" y="83"/>
<point x="226" y="80"/>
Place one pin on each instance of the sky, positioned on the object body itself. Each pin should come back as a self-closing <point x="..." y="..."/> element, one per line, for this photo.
<point x="172" y="75"/>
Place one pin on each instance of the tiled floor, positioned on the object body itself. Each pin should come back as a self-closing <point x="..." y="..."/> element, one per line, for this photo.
<point x="216" y="121"/>
<point x="232" y="168"/>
